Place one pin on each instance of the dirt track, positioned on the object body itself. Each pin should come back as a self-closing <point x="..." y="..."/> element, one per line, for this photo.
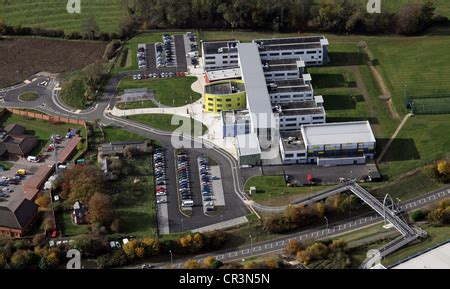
<point x="22" y="57"/>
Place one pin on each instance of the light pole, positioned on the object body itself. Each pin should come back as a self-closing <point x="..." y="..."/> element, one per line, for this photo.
<point x="221" y="218"/>
<point x="351" y="176"/>
<point x="326" y="219"/>
<point x="251" y="246"/>
<point x="182" y="226"/>
<point x="171" y="257"/>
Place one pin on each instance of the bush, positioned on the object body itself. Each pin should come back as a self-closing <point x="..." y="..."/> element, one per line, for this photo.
<point x="418" y="216"/>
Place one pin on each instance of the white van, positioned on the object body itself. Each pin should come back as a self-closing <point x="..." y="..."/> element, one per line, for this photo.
<point x="188" y="203"/>
<point x="33" y="159"/>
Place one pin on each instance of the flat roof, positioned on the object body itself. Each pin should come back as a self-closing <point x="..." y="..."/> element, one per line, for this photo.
<point x="248" y="144"/>
<point x="258" y="99"/>
<point x="290" y="40"/>
<point x="338" y="133"/>
<point x="292" y="141"/>
<point x="299" y="108"/>
<point x="291" y="47"/>
<point x="224" y="74"/>
<point x="225" y="88"/>
<point x="438" y="258"/>
<point x="235" y="117"/>
<point x="219" y="47"/>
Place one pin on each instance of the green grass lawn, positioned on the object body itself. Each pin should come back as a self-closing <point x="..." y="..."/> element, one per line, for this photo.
<point x="118" y="135"/>
<point x="28" y="96"/>
<point x="163" y="122"/>
<point x="168" y="91"/>
<point x="405" y="188"/>
<point x="398" y="59"/>
<point x="272" y="190"/>
<point x="73" y="90"/>
<point x="136" y="105"/>
<point x="6" y="165"/>
<point x="436" y="235"/>
<point x="423" y="139"/>
<point x="359" y="235"/>
<point x="135" y="201"/>
<point x="53" y="14"/>
<point x="41" y="129"/>
<point x="70" y="229"/>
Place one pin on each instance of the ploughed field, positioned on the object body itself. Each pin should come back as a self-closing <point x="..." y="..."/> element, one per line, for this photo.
<point x="22" y="57"/>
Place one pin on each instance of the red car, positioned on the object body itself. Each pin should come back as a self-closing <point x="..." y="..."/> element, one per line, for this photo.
<point x="50" y="149"/>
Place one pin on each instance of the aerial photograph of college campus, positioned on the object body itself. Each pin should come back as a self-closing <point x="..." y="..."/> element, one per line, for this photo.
<point x="224" y="134"/>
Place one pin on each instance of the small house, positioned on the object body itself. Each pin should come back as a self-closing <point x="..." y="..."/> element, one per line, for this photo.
<point x="79" y="213"/>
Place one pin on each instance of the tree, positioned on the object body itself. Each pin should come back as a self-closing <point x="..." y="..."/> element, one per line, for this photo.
<point x="130" y="249"/>
<point x="89" y="28"/>
<point x="443" y="167"/>
<point x="292" y="248"/>
<point x="100" y="209"/>
<point x="116" y="225"/>
<point x="2" y="27"/>
<point x="151" y="246"/>
<point x="43" y="201"/>
<point x="192" y="264"/>
<point x="209" y="261"/>
<point x="94" y="74"/>
<point x="415" y="17"/>
<point x="23" y="259"/>
<point x="81" y="183"/>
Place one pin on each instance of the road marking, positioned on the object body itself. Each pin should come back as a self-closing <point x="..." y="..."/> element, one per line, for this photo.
<point x="422" y="201"/>
<point x="281" y="243"/>
<point x="257" y="249"/>
<point x="219" y="257"/>
<point x="232" y="254"/>
<point x="245" y="252"/>
<point x="268" y="246"/>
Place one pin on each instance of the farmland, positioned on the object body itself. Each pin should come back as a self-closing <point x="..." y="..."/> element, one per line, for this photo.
<point x="52" y="14"/>
<point x="23" y="57"/>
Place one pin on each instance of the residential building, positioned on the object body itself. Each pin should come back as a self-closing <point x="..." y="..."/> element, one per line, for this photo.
<point x="312" y="50"/>
<point x="329" y="144"/>
<point x="222" y="74"/>
<point x="291" y="116"/>
<point x="235" y="123"/>
<point x="119" y="148"/>
<point x="224" y="95"/>
<point x="17" y="217"/>
<point x="220" y="54"/>
<point x="79" y="213"/>
<point x="286" y="91"/>
<point x="283" y="69"/>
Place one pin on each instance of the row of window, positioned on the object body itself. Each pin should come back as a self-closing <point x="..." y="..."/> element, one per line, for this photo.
<point x="299" y="155"/>
<point x="224" y="62"/>
<point x="220" y="100"/>
<point x="221" y="105"/>
<point x="284" y="96"/>
<point x="291" y="53"/>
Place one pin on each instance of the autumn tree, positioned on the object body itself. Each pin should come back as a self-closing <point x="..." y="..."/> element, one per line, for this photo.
<point x="94" y="74"/>
<point x="100" y="209"/>
<point x="209" y="261"/>
<point x="192" y="264"/>
<point x="292" y="247"/>
<point x="414" y="17"/>
<point x="152" y="246"/>
<point x="81" y="183"/>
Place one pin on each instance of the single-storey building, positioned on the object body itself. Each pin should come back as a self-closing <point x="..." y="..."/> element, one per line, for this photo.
<point x="79" y="213"/>
<point x="17" y="218"/>
<point x="118" y="148"/>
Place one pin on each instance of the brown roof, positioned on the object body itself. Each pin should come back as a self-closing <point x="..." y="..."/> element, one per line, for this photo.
<point x="18" y="214"/>
<point x="37" y="180"/>
<point x="20" y="144"/>
<point x="14" y="129"/>
<point x="68" y="149"/>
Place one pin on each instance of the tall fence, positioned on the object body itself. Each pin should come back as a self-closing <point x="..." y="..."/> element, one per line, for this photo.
<point x="49" y="118"/>
<point x="427" y="102"/>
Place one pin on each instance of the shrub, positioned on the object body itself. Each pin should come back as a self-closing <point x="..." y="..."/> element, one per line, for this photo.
<point x="418" y="216"/>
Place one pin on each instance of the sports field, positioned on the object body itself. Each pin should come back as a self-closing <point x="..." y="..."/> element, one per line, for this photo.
<point x="53" y="14"/>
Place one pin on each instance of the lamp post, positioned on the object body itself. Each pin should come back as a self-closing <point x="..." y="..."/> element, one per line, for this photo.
<point x="171" y="257"/>
<point x="182" y="226"/>
<point x="326" y="219"/>
<point x="351" y="176"/>
<point x="251" y="246"/>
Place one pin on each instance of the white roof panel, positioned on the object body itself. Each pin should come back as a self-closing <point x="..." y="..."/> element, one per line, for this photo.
<point x="248" y="145"/>
<point x="258" y="99"/>
<point x="338" y="133"/>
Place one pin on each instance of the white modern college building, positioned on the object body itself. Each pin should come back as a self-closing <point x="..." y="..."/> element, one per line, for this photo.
<point x="282" y="112"/>
<point x="329" y="144"/>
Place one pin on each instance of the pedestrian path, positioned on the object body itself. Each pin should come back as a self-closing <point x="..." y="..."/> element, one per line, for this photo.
<point x="222" y="225"/>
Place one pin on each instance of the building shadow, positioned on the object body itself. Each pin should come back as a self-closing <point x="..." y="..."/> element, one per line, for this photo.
<point x="345" y="58"/>
<point x="372" y="120"/>
<point x="328" y="80"/>
<point x="340" y="102"/>
<point x="400" y="150"/>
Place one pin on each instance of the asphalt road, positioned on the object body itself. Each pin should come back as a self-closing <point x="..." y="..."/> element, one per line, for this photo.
<point x="334" y="230"/>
